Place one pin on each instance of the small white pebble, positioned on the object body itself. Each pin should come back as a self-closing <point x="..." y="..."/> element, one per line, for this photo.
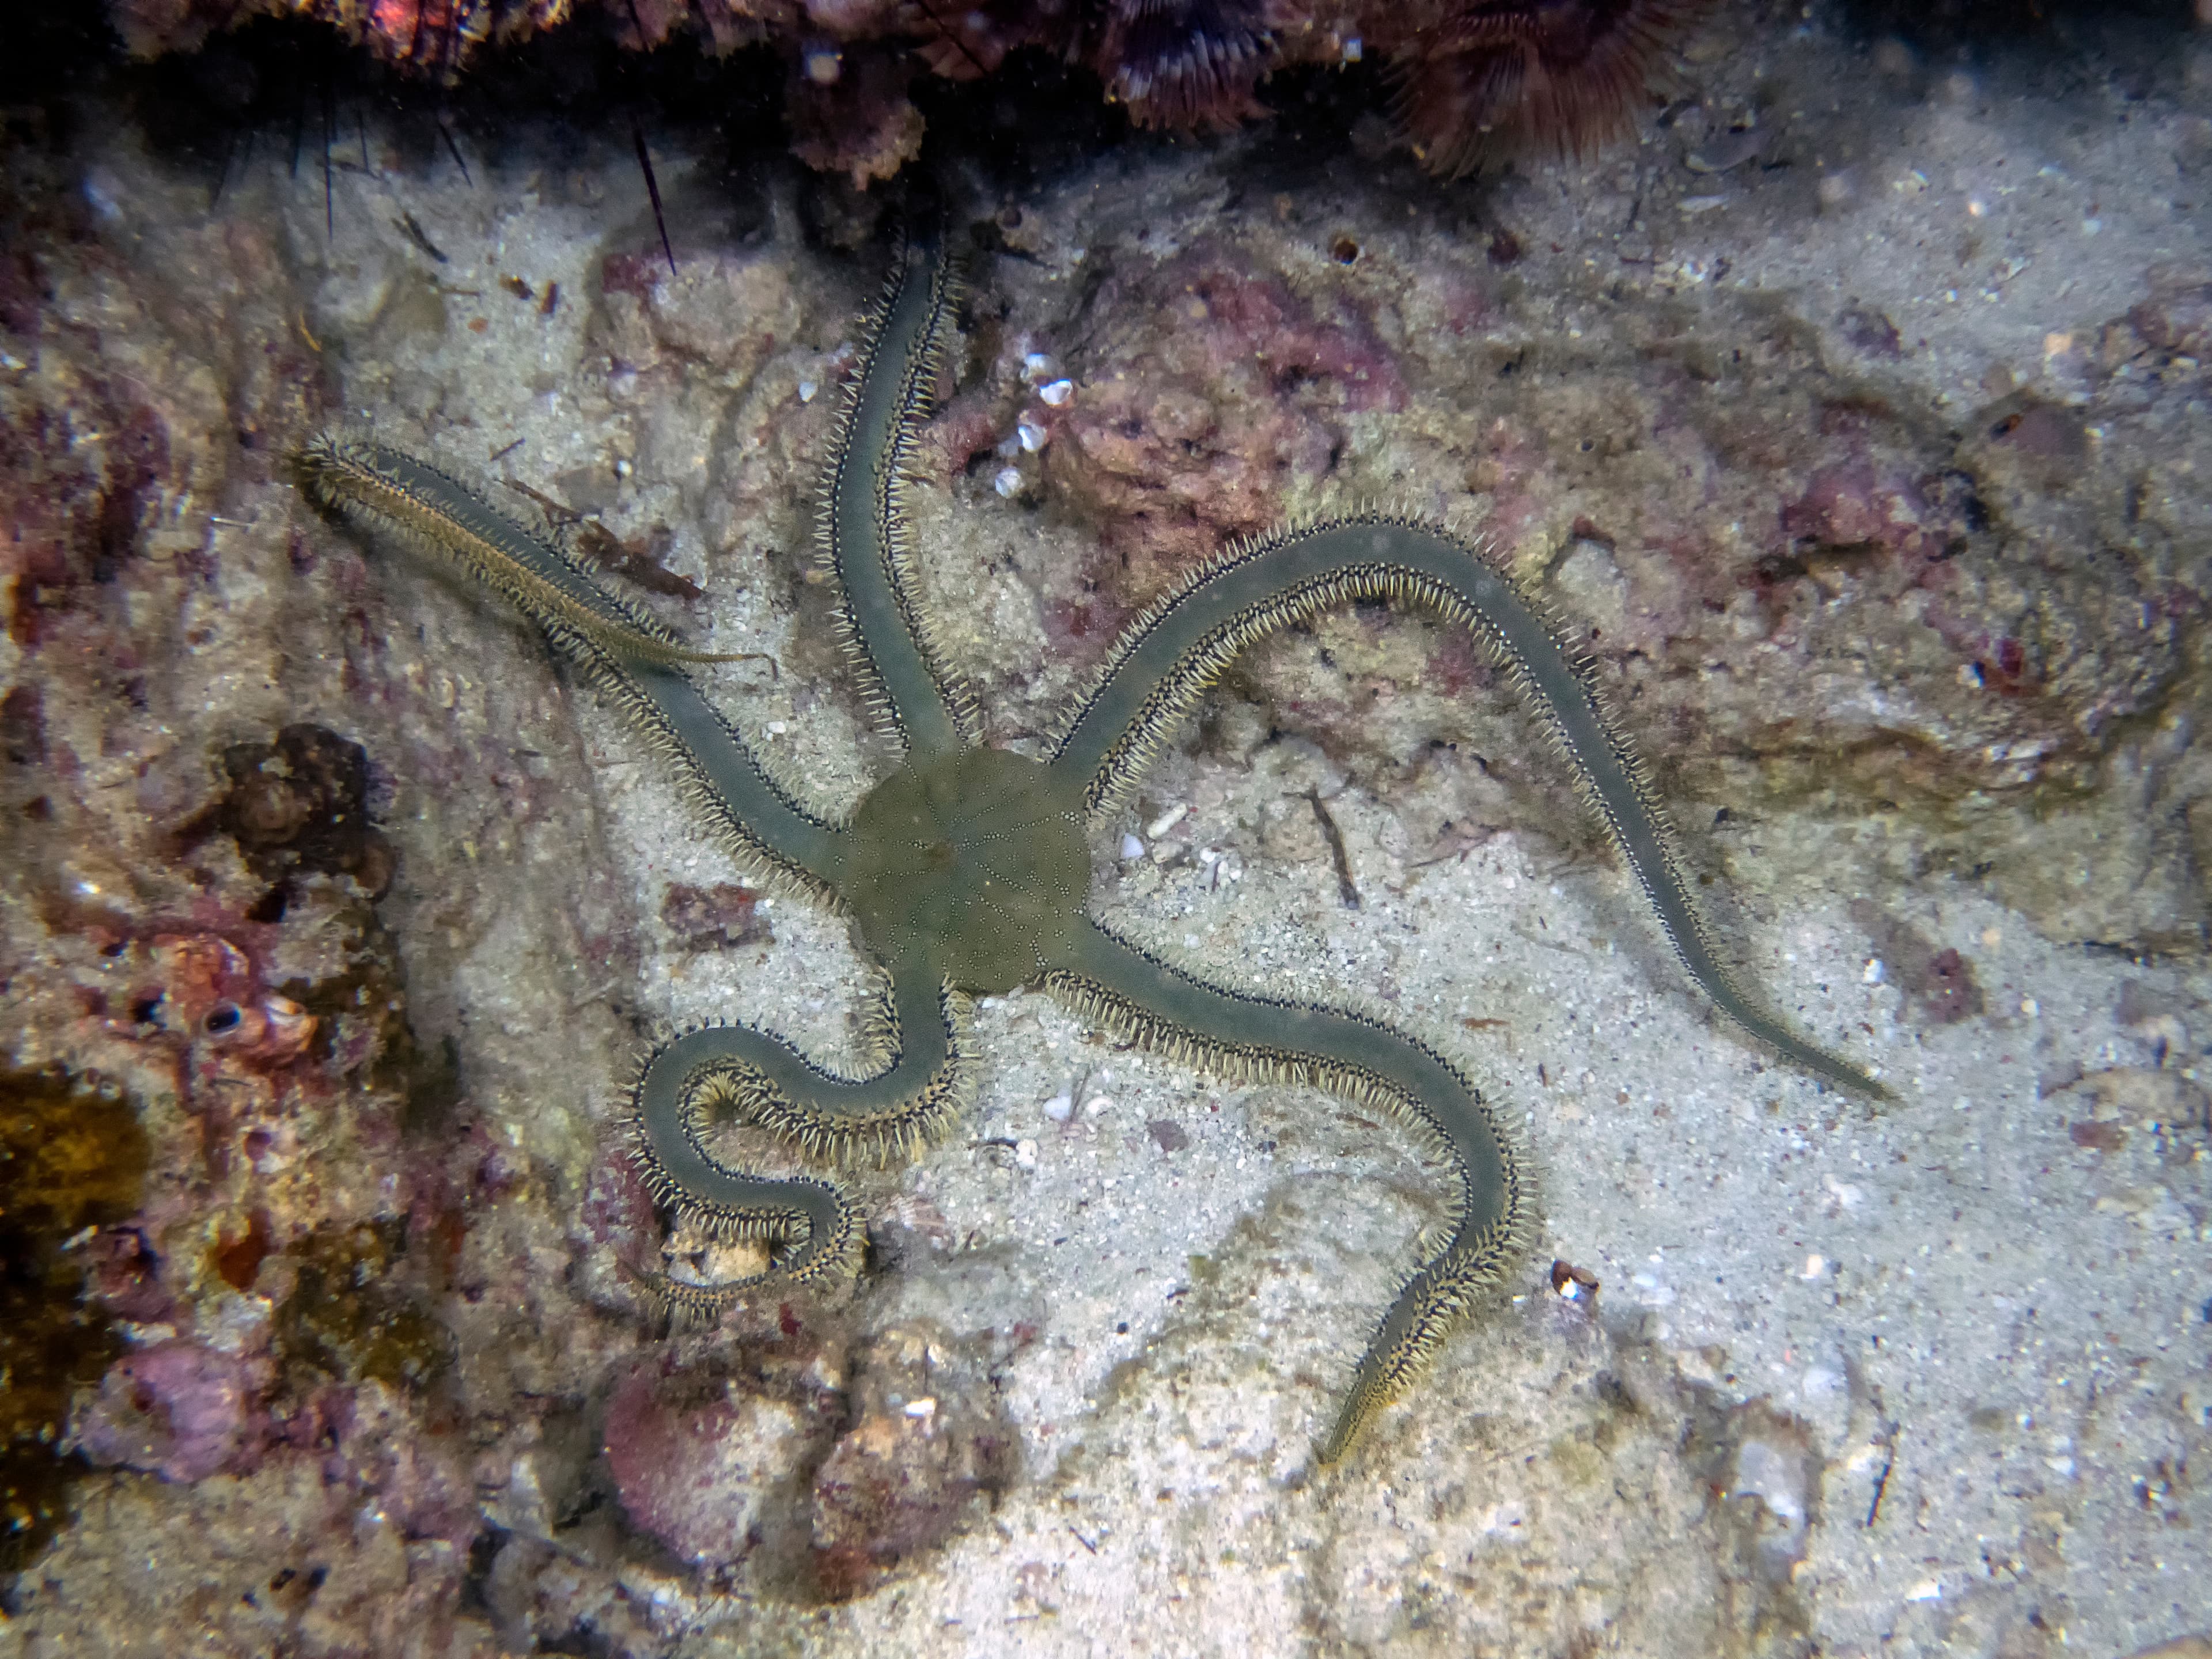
<point x="1025" y="1153"/>
<point x="1037" y="366"/>
<point x="1032" y="435"/>
<point x="1813" y="1267"/>
<point x="823" y="65"/>
<point x="923" y="1409"/>
<point x="1098" y="1105"/>
<point x="2030" y="1007"/>
<point x="1131" y="847"/>
<point x="1056" y="393"/>
<point x="1926" y="1590"/>
<point x="1873" y="972"/>
<point x="1167" y="821"/>
<point x="777" y="728"/>
<point x="1059" y="1107"/>
<point x="807" y="390"/>
<point x="1008" y="482"/>
<point x="1353" y="49"/>
<point x="2091" y="227"/>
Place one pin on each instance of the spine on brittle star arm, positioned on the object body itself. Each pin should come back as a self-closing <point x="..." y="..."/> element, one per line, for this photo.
<point x="757" y="817"/>
<point x="1258" y="1039"/>
<point x="1167" y="658"/>
<point x="861" y="518"/>
<point x="925" y="1073"/>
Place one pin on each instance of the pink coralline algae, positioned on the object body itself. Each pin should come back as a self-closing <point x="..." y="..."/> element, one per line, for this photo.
<point x="180" y="1410"/>
<point x="1848" y="506"/>
<point x="693" y="1460"/>
<point x="1474" y="78"/>
<point x="1175" y="444"/>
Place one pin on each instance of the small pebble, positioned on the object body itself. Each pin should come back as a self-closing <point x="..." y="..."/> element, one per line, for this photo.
<point x="1167" y="821"/>
<point x="1056" y="393"/>
<point x="807" y="390"/>
<point x="1033" y="436"/>
<point x="1059" y="1107"/>
<point x="1008" y="482"/>
<point x="1098" y="1105"/>
<point x="1131" y="847"/>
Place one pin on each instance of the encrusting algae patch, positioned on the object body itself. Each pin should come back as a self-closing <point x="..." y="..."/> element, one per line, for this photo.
<point x="71" y="1158"/>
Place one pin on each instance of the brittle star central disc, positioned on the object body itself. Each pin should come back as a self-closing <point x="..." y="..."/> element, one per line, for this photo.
<point x="974" y="860"/>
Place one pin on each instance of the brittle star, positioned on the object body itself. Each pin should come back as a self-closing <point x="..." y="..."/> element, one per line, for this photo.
<point x="967" y="872"/>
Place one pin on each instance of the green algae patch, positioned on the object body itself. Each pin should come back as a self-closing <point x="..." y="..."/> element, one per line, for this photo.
<point x="352" y="1313"/>
<point x="71" y="1158"/>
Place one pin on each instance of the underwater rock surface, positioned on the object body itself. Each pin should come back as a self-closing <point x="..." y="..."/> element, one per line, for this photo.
<point x="1873" y="478"/>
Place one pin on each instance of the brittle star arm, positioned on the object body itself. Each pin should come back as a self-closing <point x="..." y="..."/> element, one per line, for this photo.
<point x="1259" y="1039"/>
<point x="919" y="1031"/>
<point x="614" y="642"/>
<point x="861" y="522"/>
<point x="1166" y="660"/>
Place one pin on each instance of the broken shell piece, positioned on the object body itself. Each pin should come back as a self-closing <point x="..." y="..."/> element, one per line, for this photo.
<point x="1723" y="150"/>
